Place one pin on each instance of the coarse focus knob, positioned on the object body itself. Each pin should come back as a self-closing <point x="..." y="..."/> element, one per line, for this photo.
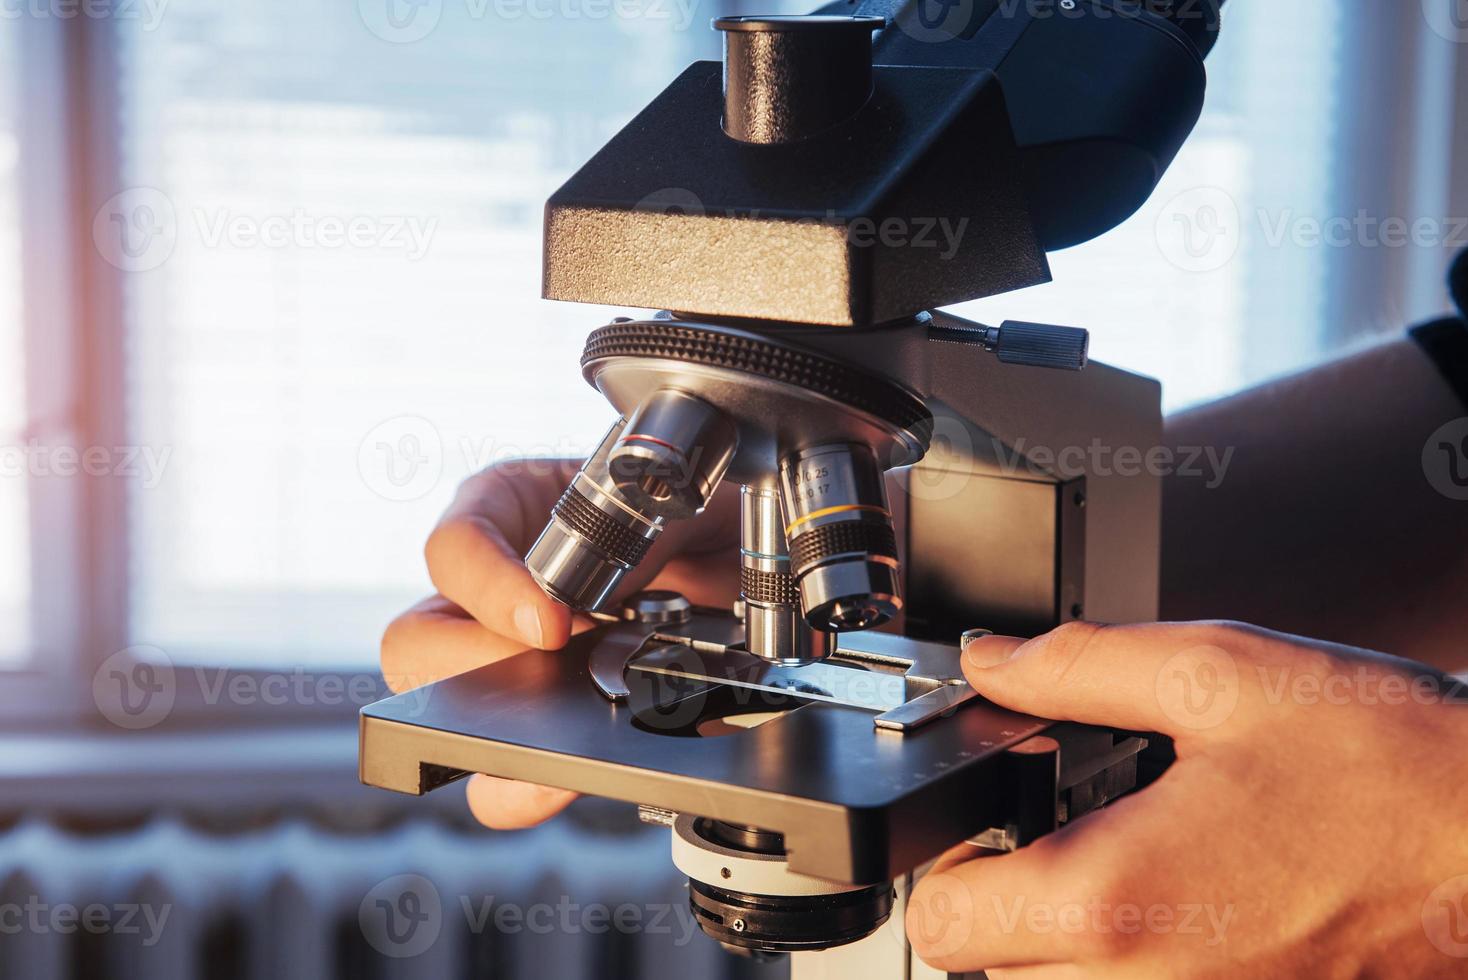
<point x="789" y="77"/>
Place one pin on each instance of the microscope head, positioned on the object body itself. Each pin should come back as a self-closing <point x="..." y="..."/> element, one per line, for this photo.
<point x="828" y="175"/>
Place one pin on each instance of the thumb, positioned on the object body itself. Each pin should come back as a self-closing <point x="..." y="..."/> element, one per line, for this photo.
<point x="1177" y="679"/>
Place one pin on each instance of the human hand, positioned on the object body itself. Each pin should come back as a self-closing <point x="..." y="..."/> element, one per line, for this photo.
<point x="488" y="607"/>
<point x="1313" y="824"/>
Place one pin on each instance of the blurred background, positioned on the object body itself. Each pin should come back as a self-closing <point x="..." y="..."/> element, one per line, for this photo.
<point x="269" y="280"/>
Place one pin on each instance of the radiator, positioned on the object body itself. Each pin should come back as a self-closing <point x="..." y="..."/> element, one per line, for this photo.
<point x="167" y="899"/>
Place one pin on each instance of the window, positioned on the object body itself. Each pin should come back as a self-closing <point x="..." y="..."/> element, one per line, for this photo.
<point x="14" y="472"/>
<point x="1194" y="290"/>
<point x="324" y="219"/>
<point x="339" y="317"/>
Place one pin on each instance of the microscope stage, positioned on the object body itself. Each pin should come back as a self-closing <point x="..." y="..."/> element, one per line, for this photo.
<point x="856" y="803"/>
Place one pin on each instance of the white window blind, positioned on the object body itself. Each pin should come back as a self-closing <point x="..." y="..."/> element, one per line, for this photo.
<point x="14" y="466"/>
<point x="341" y="318"/>
<point x="335" y="316"/>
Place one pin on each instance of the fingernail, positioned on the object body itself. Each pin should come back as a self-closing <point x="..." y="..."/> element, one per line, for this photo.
<point x="990" y="651"/>
<point x="527" y="621"/>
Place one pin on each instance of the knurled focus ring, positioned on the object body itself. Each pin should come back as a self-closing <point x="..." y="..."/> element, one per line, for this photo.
<point x="768" y="588"/>
<point x="739" y="352"/>
<point x="821" y="542"/>
<point x="587" y="520"/>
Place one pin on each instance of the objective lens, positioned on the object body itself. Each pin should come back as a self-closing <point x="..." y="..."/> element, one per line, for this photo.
<point x="774" y="627"/>
<point x="672" y="455"/>
<point x="843" y="550"/>
<point x="594" y="537"/>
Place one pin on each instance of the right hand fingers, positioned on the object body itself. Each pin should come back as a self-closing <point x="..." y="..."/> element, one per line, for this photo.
<point x="436" y="639"/>
<point x="475" y="553"/>
<point x="491" y="608"/>
<point x="508" y="804"/>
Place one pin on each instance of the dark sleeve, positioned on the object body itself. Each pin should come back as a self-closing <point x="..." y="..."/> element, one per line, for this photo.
<point x="1446" y="340"/>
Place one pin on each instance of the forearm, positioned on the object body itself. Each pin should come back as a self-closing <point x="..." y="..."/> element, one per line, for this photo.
<point x="1324" y="524"/>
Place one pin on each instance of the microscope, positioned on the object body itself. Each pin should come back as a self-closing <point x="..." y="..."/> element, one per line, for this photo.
<point x="799" y="214"/>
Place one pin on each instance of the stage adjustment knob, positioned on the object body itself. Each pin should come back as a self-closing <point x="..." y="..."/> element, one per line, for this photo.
<point x="1016" y="342"/>
<point x="1042" y="345"/>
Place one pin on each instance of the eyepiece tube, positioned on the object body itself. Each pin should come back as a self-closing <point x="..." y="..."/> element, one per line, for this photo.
<point x="843" y="549"/>
<point x="774" y="626"/>
<point x="594" y="538"/>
